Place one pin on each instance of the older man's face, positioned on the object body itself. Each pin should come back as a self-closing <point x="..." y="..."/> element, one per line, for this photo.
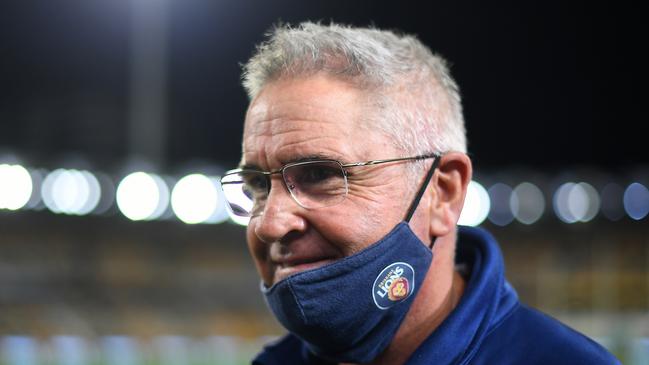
<point x="320" y="116"/>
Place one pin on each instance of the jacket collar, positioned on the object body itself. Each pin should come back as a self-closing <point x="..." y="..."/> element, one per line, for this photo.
<point x="487" y="299"/>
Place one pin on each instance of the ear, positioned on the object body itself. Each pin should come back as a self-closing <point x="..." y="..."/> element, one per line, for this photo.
<point x="449" y="187"/>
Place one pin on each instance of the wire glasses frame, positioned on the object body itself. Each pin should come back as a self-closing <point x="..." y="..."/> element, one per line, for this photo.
<point x="312" y="184"/>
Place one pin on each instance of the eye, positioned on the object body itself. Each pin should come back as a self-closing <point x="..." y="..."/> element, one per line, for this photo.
<point x="255" y="183"/>
<point x="316" y="173"/>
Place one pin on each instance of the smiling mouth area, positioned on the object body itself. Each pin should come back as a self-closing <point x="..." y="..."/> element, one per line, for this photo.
<point x="286" y="269"/>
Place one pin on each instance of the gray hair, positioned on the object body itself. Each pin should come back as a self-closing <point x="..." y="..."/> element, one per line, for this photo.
<point x="418" y="101"/>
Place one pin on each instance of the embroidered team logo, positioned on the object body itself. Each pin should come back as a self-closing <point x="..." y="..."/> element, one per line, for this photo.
<point x="393" y="285"/>
<point x="398" y="289"/>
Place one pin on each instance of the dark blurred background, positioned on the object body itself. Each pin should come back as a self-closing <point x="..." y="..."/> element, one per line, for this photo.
<point x="92" y="91"/>
<point x="566" y="79"/>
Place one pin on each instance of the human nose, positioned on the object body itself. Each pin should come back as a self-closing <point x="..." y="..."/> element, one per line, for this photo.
<point x="280" y="215"/>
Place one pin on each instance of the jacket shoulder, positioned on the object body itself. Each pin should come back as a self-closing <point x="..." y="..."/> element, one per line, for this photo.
<point x="527" y="336"/>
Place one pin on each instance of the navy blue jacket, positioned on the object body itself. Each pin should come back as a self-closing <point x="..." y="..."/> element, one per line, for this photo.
<point x="489" y="325"/>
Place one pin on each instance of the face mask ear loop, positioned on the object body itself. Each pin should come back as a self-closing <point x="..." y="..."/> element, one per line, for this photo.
<point x="420" y="193"/>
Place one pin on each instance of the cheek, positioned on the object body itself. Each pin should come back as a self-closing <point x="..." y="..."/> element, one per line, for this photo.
<point x="350" y="230"/>
<point x="375" y="216"/>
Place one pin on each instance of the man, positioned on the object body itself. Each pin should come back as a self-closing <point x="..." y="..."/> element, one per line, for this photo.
<point x="353" y="176"/>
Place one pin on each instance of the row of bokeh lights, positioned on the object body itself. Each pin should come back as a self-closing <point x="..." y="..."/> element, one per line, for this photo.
<point x="572" y="202"/>
<point x="197" y="198"/>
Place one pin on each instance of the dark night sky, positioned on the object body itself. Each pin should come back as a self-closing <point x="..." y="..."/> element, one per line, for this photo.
<point x="546" y="84"/>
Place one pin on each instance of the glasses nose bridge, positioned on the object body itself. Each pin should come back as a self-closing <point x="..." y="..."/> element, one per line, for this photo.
<point x="276" y="175"/>
<point x="284" y="190"/>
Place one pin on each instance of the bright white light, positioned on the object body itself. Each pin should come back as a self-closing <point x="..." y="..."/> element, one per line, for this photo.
<point x="195" y="199"/>
<point x="70" y="191"/>
<point x="576" y="202"/>
<point x="15" y="186"/>
<point x="501" y="212"/>
<point x="476" y="205"/>
<point x="560" y="203"/>
<point x="142" y="196"/>
<point x="94" y="194"/>
<point x="527" y="203"/>
<point x="583" y="202"/>
<point x="636" y="201"/>
<point x="47" y="190"/>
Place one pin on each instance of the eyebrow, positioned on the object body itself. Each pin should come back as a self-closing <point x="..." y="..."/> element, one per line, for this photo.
<point x="304" y="158"/>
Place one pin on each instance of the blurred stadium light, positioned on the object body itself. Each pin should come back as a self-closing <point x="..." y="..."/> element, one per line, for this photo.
<point x="71" y="191"/>
<point x="15" y="186"/>
<point x="142" y="196"/>
<point x="500" y="213"/>
<point x="576" y="202"/>
<point x="198" y="198"/>
<point x="476" y="205"/>
<point x="527" y="203"/>
<point x="636" y="201"/>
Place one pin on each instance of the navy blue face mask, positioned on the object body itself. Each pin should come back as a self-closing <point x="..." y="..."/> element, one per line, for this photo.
<point x="350" y="310"/>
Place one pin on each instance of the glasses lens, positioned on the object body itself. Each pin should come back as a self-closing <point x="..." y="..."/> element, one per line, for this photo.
<point x="316" y="184"/>
<point x="245" y="192"/>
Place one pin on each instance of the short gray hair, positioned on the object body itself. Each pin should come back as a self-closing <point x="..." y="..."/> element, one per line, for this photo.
<point x="418" y="101"/>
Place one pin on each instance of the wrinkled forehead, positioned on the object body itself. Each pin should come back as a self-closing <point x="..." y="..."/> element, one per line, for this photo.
<point x="313" y="116"/>
<point x="314" y="97"/>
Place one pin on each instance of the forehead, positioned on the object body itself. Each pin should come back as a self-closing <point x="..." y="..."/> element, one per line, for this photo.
<point x="300" y="118"/>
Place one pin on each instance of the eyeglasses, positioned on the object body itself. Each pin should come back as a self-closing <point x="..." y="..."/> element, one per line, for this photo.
<point x="312" y="184"/>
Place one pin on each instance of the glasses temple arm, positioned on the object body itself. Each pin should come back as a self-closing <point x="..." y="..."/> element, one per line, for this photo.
<point x="377" y="162"/>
